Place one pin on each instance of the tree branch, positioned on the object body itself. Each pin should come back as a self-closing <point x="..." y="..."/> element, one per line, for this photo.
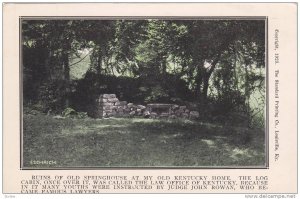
<point x="80" y="60"/>
<point x="213" y="65"/>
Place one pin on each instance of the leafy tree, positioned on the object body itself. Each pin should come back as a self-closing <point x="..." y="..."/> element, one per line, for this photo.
<point x="219" y="61"/>
<point x="56" y="41"/>
<point x="205" y="43"/>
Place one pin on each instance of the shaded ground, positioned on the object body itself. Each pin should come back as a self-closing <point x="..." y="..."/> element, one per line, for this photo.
<point x="138" y="142"/>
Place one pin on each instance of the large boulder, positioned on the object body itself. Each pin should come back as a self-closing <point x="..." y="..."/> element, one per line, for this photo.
<point x="139" y="112"/>
<point x="194" y="115"/>
<point x="141" y="107"/>
<point x="107" y="104"/>
<point x="113" y="100"/>
<point x="182" y="107"/>
<point x="146" y="114"/>
<point x="123" y="103"/>
<point x="179" y="112"/>
<point x="164" y="115"/>
<point x="184" y="115"/>
<point x="132" y="113"/>
<point x="126" y="110"/>
<point x="153" y="115"/>
<point x="175" y="107"/>
<point x="130" y="105"/>
<point x="107" y="108"/>
<point x="103" y="100"/>
<point x="107" y="96"/>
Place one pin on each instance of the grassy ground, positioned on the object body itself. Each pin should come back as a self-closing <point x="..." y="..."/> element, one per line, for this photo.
<point x="138" y="142"/>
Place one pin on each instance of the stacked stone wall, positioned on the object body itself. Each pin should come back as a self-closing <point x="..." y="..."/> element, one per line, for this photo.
<point x="108" y="105"/>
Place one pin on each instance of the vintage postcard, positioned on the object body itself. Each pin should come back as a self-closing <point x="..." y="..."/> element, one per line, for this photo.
<point x="150" y="98"/>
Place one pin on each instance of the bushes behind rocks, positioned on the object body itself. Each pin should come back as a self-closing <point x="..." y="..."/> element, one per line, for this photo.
<point x="108" y="105"/>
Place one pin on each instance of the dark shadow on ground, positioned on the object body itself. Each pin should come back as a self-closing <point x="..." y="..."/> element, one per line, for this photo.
<point x="139" y="142"/>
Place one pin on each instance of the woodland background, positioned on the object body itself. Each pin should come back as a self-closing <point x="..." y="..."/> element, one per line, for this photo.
<point x="215" y="66"/>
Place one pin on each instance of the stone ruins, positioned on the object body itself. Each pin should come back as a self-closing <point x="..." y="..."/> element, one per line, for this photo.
<point x="108" y="105"/>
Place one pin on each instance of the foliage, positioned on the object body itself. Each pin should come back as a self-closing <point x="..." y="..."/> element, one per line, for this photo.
<point x="136" y="90"/>
<point x="68" y="112"/>
<point x="71" y="113"/>
<point x="156" y="94"/>
<point x="51" y="96"/>
<point x="211" y="63"/>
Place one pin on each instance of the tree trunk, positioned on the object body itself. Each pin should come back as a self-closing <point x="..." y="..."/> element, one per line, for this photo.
<point x="205" y="87"/>
<point x="66" y="74"/>
<point x="164" y="65"/>
<point x="199" y="80"/>
<point x="247" y="92"/>
<point x="48" y="66"/>
<point x="99" y="62"/>
<point x="207" y="75"/>
<point x="198" y="85"/>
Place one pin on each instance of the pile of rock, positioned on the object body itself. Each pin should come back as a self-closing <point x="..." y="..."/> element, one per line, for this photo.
<point x="108" y="105"/>
<point x="184" y="112"/>
<point x="171" y="111"/>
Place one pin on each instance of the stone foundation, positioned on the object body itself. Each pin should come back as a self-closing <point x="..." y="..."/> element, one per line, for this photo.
<point x="108" y="105"/>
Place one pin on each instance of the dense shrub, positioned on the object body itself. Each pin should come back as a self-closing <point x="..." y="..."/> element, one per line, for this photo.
<point x="137" y="90"/>
<point x="51" y="96"/>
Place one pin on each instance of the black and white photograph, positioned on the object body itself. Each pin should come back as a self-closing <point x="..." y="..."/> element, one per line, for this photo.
<point x="143" y="92"/>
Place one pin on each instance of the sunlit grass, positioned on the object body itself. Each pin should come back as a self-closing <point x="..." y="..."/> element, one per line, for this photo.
<point x="120" y="142"/>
